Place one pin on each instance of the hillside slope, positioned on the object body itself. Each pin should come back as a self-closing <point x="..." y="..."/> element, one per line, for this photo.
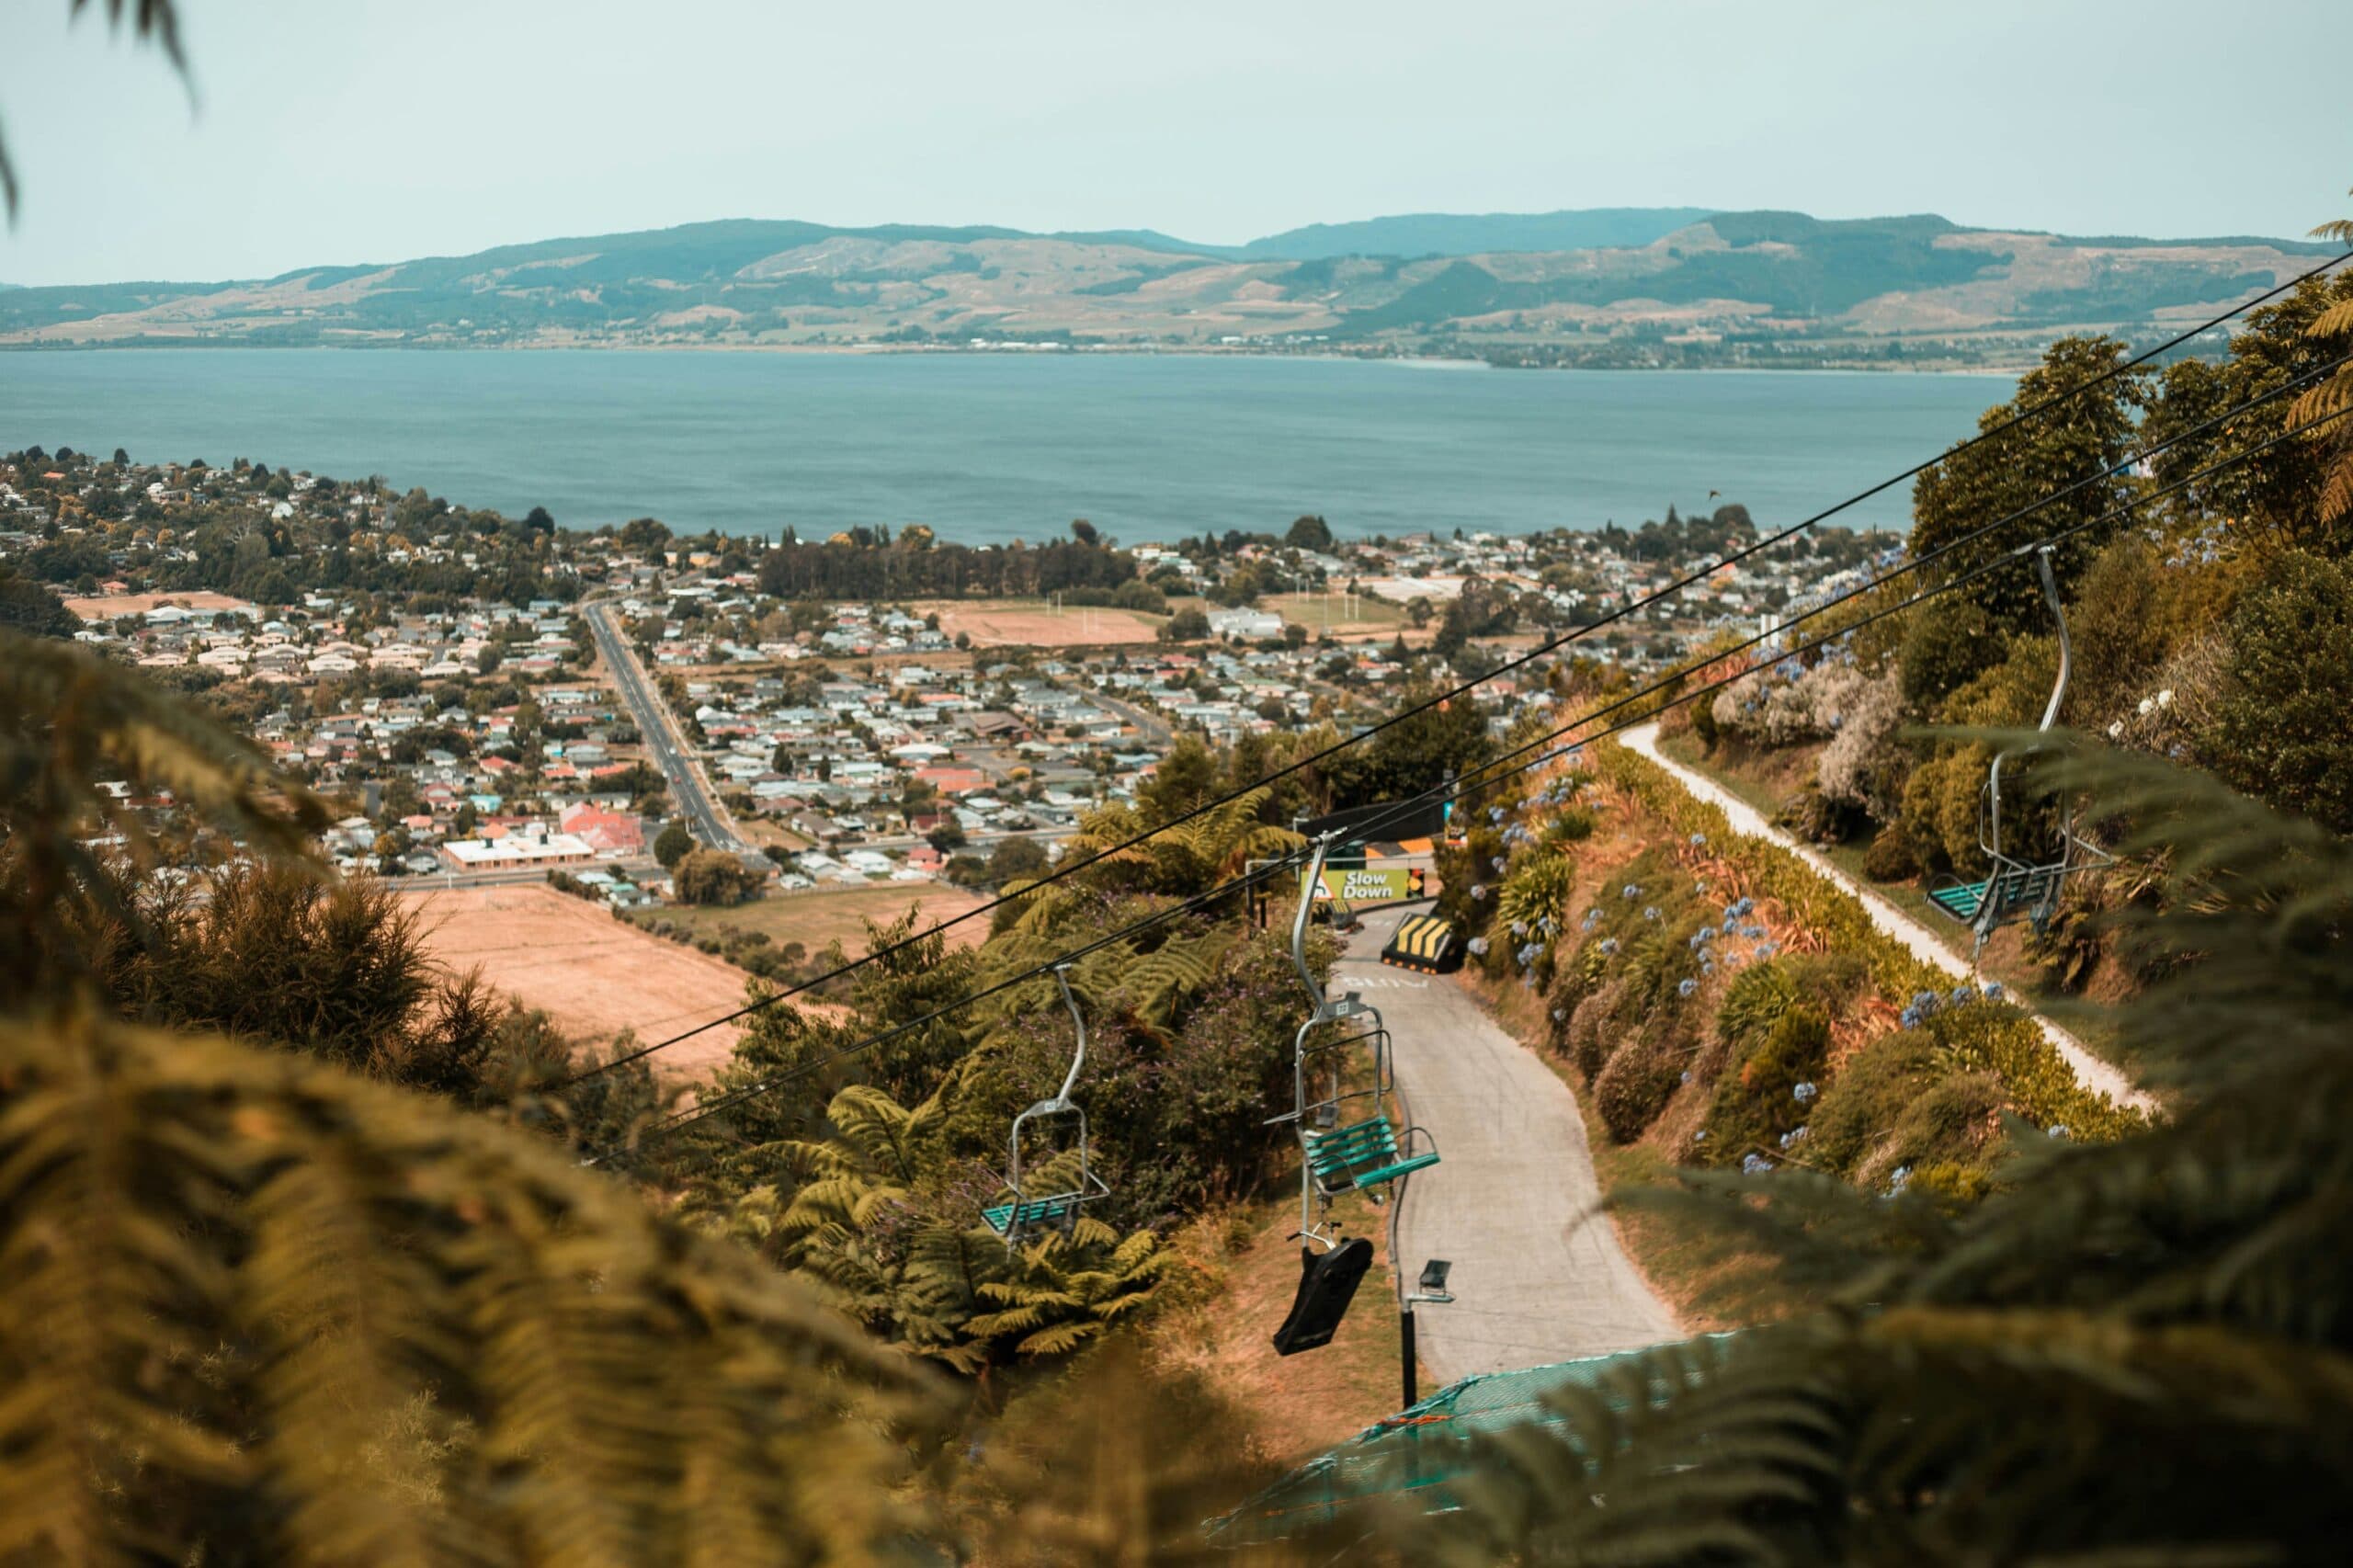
<point x="1570" y="287"/>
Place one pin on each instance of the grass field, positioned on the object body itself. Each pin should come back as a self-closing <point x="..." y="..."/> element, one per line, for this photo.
<point x="594" y="974"/>
<point x="1366" y="614"/>
<point x="818" y="917"/>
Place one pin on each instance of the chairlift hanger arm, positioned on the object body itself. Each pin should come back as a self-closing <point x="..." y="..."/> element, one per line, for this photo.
<point x="1313" y="879"/>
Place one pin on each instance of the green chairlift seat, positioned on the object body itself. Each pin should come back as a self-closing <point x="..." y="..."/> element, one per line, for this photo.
<point x="1962" y="900"/>
<point x="1357" y="1158"/>
<point x="1029" y="1213"/>
<point x="2020" y="885"/>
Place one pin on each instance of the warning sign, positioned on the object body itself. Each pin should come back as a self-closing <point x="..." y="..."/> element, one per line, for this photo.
<point x="1370" y="886"/>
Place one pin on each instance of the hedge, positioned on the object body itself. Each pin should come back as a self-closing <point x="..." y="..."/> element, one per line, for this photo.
<point x="2002" y="1040"/>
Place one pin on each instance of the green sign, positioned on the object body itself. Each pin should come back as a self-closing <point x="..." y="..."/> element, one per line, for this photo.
<point x="1358" y="885"/>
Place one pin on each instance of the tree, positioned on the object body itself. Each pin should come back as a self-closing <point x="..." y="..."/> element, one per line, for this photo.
<point x="2332" y="326"/>
<point x="539" y="520"/>
<point x="27" y="606"/>
<point x="1016" y="858"/>
<point x="2076" y="448"/>
<point x="948" y="836"/>
<point x="1184" y="626"/>
<point x="1419" y="612"/>
<point x="1084" y="531"/>
<point x="714" y="877"/>
<point x="1309" y="533"/>
<point x="2285" y="730"/>
<point x="672" y="845"/>
<point x="644" y="535"/>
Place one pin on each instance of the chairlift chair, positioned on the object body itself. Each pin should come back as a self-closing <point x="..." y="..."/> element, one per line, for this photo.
<point x="1346" y="1140"/>
<point x="2017" y="884"/>
<point x="1047" y="1203"/>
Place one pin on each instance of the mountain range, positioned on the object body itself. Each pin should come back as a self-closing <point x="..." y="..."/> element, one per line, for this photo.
<point x="1606" y="286"/>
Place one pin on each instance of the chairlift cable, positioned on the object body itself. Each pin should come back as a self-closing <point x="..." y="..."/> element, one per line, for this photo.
<point x="1631" y="608"/>
<point x="1460" y="788"/>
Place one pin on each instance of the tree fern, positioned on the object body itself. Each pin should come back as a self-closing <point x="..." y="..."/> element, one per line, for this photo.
<point x="2133" y="1351"/>
<point x="261" y="1309"/>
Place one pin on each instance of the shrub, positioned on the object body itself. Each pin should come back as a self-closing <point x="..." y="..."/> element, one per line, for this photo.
<point x="1870" y="1094"/>
<point x="1948" y="1123"/>
<point x="1638" y="1080"/>
<point x="1864" y="766"/>
<point x="1890" y="856"/>
<point x="1771" y="1089"/>
<point x="1592" y="1028"/>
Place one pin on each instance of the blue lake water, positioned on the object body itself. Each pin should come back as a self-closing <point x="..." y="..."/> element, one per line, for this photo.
<point x="997" y="446"/>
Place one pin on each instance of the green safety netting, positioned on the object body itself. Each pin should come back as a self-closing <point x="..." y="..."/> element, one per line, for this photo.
<point x="1417" y="1454"/>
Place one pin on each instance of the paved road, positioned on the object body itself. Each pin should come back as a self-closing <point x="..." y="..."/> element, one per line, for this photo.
<point x="1538" y="1276"/>
<point x="2089" y="1070"/>
<point x="702" y="814"/>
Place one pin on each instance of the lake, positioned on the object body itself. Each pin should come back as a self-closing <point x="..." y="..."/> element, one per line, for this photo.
<point x="986" y="447"/>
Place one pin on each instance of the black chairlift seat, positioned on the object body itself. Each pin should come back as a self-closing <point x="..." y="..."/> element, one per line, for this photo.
<point x="1327" y="1283"/>
<point x="1362" y="1156"/>
<point x="1424" y="944"/>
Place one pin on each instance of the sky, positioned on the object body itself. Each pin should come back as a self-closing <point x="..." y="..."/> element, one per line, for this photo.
<point x="338" y="132"/>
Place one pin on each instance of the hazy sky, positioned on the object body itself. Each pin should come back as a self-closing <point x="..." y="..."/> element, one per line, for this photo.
<point x="348" y="130"/>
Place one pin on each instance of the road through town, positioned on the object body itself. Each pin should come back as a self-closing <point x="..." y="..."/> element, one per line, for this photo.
<point x="703" y="817"/>
<point x="1539" y="1274"/>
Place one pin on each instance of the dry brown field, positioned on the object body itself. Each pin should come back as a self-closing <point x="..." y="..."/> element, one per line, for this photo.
<point x="594" y="974"/>
<point x="1031" y="625"/>
<point x="821" y="916"/>
<point x="112" y="604"/>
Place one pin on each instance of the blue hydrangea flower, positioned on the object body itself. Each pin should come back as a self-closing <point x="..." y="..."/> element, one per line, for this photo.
<point x="1499" y="863"/>
<point x="1699" y="838"/>
<point x="1994" y="990"/>
<point x="2058" y="1132"/>
<point x="1755" y="1166"/>
<point x="1804" y="1093"/>
<point x="1477" y="946"/>
<point x="1519" y="927"/>
<point x="1685" y="986"/>
<point x="1686" y="1076"/>
<point x="1494" y="814"/>
<point x="1899" y="1180"/>
<point x="1650" y="912"/>
<point x="1700" y="1136"/>
<point x="1609" y="946"/>
<point x="1766" y="949"/>
<point x="1478" y="890"/>
<point x="1632" y="890"/>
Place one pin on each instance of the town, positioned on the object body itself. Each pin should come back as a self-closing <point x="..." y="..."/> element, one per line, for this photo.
<point x="489" y="700"/>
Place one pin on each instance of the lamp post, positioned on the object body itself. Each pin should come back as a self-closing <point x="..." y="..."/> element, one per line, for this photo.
<point x="1430" y="1289"/>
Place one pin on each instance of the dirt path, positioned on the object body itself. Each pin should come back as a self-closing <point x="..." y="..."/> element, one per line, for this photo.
<point x="2089" y="1070"/>
<point x="1538" y="1275"/>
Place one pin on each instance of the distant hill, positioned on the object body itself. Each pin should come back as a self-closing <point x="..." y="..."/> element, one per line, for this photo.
<point x="1450" y="233"/>
<point x="1651" y="286"/>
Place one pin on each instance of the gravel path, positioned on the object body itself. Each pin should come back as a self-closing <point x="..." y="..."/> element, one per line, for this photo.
<point x="2089" y="1070"/>
<point x="1539" y="1275"/>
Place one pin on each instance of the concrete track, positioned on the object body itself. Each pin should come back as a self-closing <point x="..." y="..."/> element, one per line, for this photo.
<point x="1539" y="1275"/>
